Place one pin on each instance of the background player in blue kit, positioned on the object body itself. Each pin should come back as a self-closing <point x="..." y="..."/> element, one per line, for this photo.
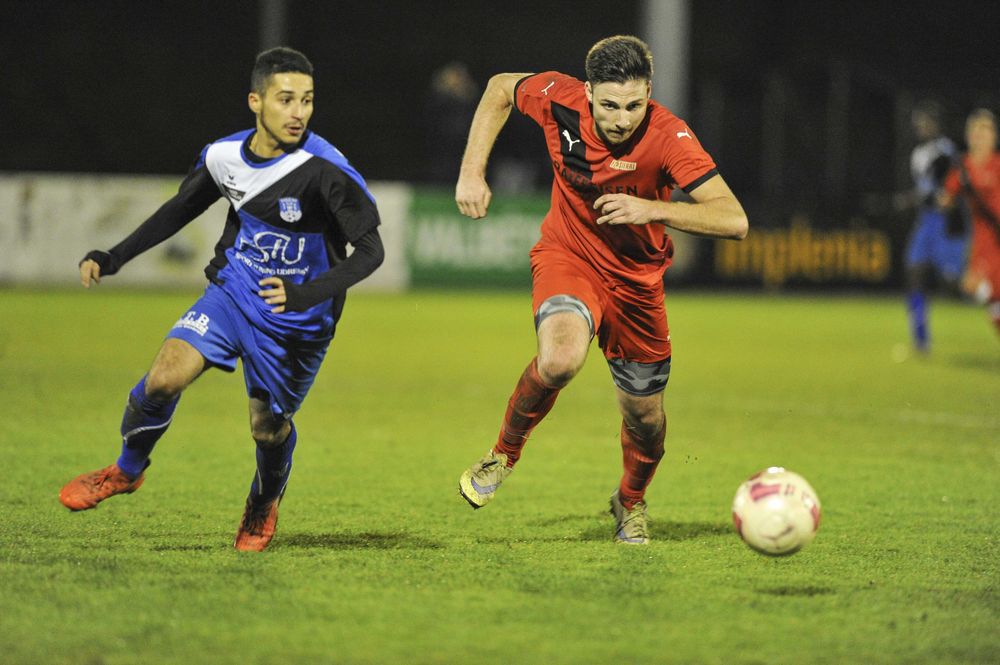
<point x="276" y="285"/>
<point x="936" y="244"/>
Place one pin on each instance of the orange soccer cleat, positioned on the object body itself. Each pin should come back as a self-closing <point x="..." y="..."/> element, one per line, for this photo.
<point x="89" y="489"/>
<point x="257" y="527"/>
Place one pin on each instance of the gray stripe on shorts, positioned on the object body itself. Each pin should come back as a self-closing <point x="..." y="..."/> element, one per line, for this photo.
<point x="564" y="303"/>
<point x="640" y="379"/>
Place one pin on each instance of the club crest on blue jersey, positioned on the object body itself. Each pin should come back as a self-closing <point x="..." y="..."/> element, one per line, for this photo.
<point x="290" y="209"/>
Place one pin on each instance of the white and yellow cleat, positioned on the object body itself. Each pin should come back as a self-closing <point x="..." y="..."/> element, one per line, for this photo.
<point x="480" y="482"/>
<point x="632" y="526"/>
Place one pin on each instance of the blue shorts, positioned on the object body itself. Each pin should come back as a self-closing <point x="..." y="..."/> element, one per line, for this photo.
<point x="931" y="244"/>
<point x="283" y="371"/>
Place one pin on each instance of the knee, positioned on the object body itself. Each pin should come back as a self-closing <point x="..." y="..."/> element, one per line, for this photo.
<point x="649" y="422"/>
<point x="559" y="367"/>
<point x="162" y="384"/>
<point x="269" y="433"/>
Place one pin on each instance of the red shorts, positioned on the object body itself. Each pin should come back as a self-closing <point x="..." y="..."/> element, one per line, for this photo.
<point x="984" y="262"/>
<point x="630" y="321"/>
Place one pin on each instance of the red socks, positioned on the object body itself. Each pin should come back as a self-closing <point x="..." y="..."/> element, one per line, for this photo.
<point x="639" y="459"/>
<point x="531" y="401"/>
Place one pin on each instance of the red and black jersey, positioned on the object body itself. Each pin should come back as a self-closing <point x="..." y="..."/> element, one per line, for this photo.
<point x="984" y="203"/>
<point x="661" y="155"/>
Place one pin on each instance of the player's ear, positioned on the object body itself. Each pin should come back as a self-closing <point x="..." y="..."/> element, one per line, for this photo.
<point x="254" y="102"/>
<point x="649" y="89"/>
<point x="590" y="92"/>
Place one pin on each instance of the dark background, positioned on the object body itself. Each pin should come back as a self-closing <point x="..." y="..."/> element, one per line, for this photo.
<point x="804" y="105"/>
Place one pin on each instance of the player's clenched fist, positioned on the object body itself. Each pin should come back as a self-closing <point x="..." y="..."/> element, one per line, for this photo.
<point x="89" y="270"/>
<point x="472" y="195"/>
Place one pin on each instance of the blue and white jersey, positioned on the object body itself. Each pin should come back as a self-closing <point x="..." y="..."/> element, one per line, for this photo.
<point x="929" y="163"/>
<point x="290" y="217"/>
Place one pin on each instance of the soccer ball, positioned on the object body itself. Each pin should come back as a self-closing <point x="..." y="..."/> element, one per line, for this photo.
<point x="776" y="512"/>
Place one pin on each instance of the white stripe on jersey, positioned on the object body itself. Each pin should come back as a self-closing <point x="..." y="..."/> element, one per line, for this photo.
<point x="234" y="176"/>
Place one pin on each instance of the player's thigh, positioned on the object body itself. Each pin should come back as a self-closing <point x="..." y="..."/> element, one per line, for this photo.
<point x="281" y="373"/>
<point x="920" y="244"/>
<point x="635" y="339"/>
<point x="205" y="336"/>
<point x="567" y="302"/>
<point x="561" y="282"/>
<point x="563" y="340"/>
<point x="176" y="365"/>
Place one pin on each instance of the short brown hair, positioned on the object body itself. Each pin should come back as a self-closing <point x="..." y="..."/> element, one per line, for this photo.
<point x="619" y="59"/>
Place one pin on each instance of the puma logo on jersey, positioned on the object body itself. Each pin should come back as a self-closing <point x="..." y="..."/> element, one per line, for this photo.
<point x="569" y="140"/>
<point x="684" y="133"/>
<point x="546" y="88"/>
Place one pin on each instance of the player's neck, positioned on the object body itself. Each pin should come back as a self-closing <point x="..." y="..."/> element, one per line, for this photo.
<point x="264" y="146"/>
<point x="981" y="157"/>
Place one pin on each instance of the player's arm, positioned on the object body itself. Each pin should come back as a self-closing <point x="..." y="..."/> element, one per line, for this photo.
<point x="950" y="187"/>
<point x="472" y="194"/>
<point x="367" y="256"/>
<point x="196" y="193"/>
<point x="356" y="219"/>
<point x="714" y="211"/>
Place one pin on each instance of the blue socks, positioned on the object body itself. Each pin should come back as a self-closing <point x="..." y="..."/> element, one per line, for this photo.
<point x="143" y="424"/>
<point x="145" y="421"/>
<point x="274" y="466"/>
<point x="916" y="305"/>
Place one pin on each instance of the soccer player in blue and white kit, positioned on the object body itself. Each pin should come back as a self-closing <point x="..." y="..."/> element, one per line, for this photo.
<point x="276" y="285"/>
<point x="933" y="245"/>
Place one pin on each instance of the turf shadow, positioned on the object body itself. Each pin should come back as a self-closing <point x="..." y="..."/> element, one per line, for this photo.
<point x="797" y="591"/>
<point x="665" y="531"/>
<point x="350" y="541"/>
<point x="181" y="548"/>
<point x="988" y="364"/>
<point x="591" y="528"/>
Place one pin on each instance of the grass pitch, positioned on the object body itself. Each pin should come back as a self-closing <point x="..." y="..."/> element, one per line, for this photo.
<point x="378" y="560"/>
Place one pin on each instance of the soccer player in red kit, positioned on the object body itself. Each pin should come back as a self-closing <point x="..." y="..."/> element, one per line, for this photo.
<point x="977" y="179"/>
<point x="598" y="268"/>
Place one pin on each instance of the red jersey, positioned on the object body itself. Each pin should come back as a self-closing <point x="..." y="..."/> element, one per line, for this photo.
<point x="985" y="179"/>
<point x="661" y="154"/>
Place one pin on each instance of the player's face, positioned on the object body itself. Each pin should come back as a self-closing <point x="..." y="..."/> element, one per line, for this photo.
<point x="618" y="108"/>
<point x="981" y="135"/>
<point x="924" y="126"/>
<point x="283" y="111"/>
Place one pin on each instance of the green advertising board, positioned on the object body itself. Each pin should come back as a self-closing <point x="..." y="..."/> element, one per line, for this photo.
<point x="446" y="249"/>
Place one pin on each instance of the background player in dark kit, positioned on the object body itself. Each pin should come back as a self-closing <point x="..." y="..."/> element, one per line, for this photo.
<point x="276" y="286"/>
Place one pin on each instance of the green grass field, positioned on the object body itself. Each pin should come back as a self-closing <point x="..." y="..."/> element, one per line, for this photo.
<point x="378" y="560"/>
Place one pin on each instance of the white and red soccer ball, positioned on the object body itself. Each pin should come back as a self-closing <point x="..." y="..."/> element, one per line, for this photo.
<point x="776" y="512"/>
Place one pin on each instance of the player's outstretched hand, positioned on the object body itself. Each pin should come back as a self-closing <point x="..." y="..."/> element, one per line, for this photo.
<point x="275" y="295"/>
<point x="623" y="209"/>
<point x="472" y="195"/>
<point x="89" y="270"/>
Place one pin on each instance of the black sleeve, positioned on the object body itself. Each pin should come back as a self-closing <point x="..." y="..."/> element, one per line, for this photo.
<point x="355" y="213"/>
<point x="196" y="193"/>
<point x="367" y="256"/>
